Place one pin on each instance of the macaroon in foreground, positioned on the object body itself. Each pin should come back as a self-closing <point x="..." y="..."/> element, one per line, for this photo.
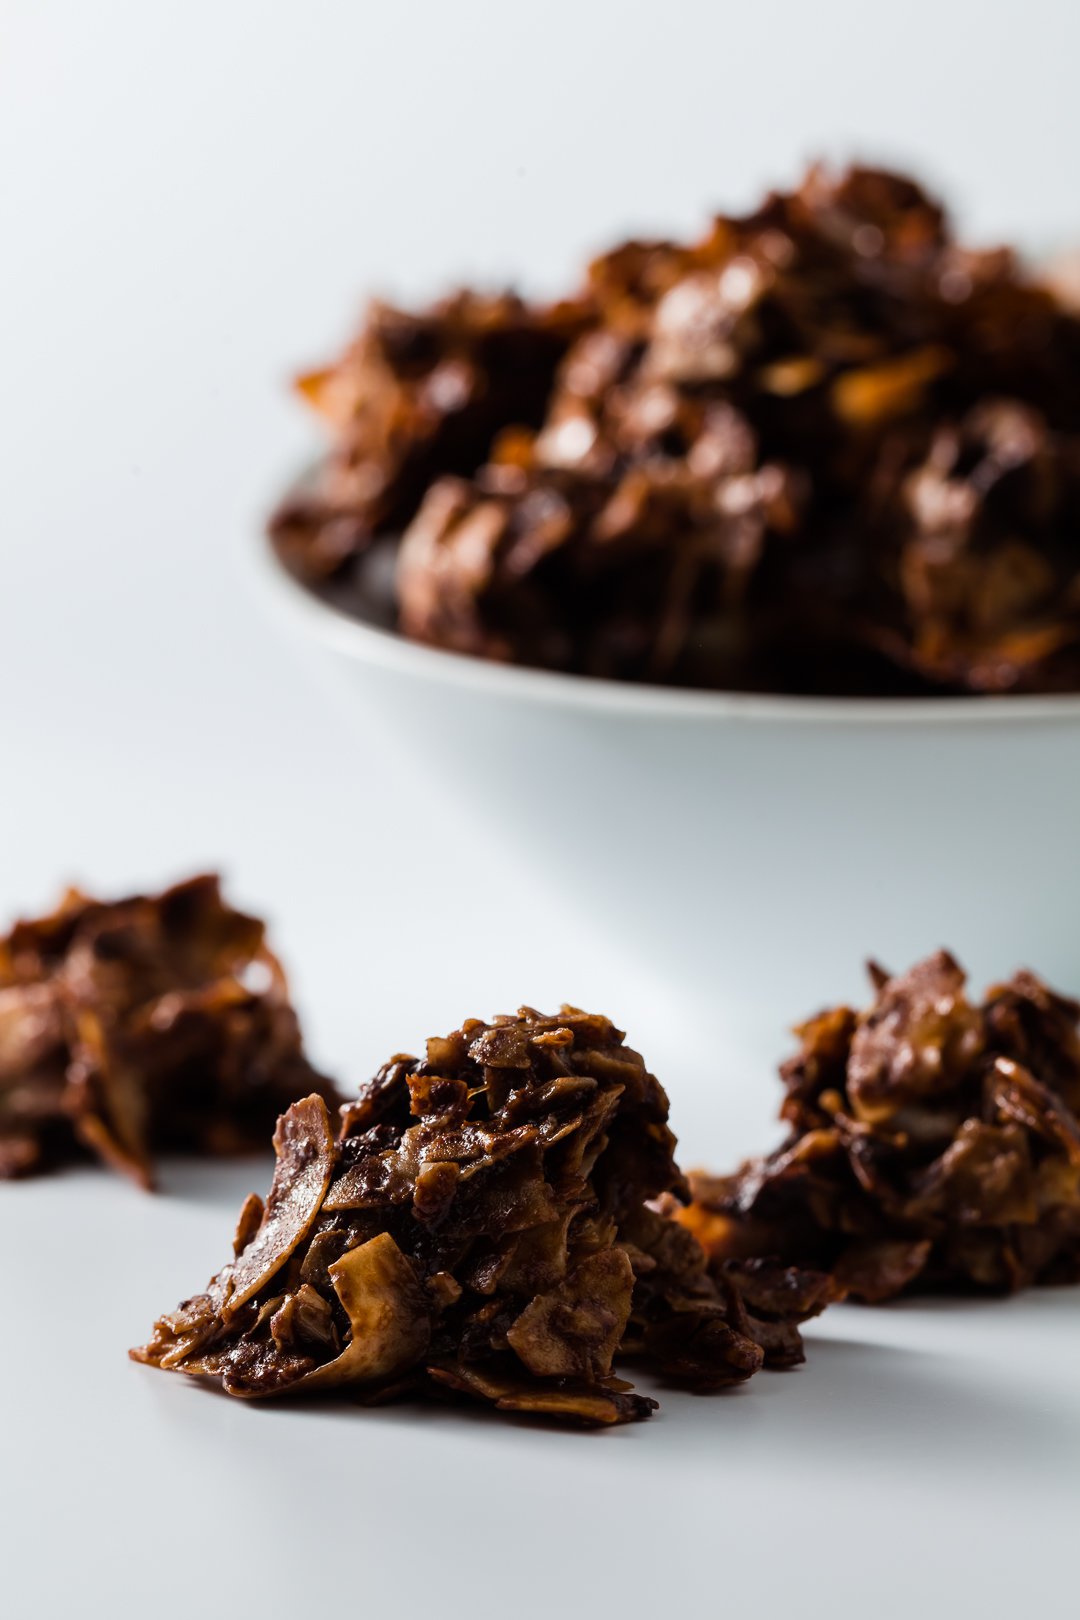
<point x="482" y="1225"/>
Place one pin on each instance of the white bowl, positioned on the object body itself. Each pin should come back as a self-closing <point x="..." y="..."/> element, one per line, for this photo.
<point x="750" y="851"/>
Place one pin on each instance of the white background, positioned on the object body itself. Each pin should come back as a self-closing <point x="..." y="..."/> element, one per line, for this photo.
<point x="195" y="198"/>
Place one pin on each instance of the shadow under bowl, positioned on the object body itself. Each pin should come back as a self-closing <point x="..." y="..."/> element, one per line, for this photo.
<point x="749" y="851"/>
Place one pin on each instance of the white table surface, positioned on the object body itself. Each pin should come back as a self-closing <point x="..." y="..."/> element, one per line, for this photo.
<point x="923" y="1462"/>
<point x="194" y="197"/>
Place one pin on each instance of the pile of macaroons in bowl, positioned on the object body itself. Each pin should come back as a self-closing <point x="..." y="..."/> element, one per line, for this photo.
<point x="823" y="449"/>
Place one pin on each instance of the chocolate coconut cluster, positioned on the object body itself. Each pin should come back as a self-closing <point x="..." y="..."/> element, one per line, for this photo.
<point x="482" y="1224"/>
<point x="826" y="448"/>
<point x="417" y="396"/>
<point x="934" y="1143"/>
<point x="143" y="1026"/>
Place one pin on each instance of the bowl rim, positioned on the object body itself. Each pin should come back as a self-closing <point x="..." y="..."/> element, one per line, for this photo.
<point x="342" y="632"/>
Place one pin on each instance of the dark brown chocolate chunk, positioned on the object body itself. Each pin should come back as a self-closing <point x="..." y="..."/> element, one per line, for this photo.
<point x="641" y="575"/>
<point x="987" y="557"/>
<point x="414" y="397"/>
<point x="485" y="1224"/>
<point x="934" y="1144"/>
<point x="143" y="1026"/>
<point x="823" y="449"/>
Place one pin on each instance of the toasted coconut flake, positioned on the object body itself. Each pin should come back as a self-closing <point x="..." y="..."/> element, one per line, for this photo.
<point x="575" y="1330"/>
<point x="304" y="1144"/>
<point x="388" y="1315"/>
